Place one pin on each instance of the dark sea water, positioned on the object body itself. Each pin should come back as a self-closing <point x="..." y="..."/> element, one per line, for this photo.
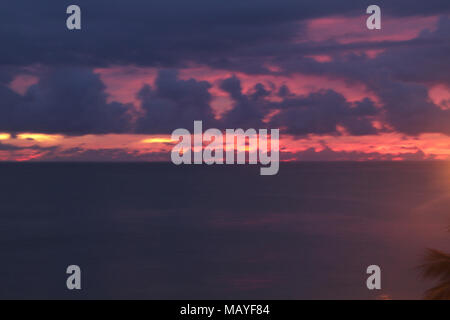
<point x="222" y="232"/>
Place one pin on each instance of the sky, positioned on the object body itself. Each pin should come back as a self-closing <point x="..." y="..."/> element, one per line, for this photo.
<point x="137" y="70"/>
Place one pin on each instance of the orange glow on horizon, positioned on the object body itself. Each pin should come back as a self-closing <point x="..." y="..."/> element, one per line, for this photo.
<point x="432" y="146"/>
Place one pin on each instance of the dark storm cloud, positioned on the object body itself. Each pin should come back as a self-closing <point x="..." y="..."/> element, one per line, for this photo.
<point x="248" y="110"/>
<point x="65" y="100"/>
<point x="318" y="112"/>
<point x="427" y="63"/>
<point x="424" y="59"/>
<point x="321" y="113"/>
<point x="166" y="32"/>
<point x="73" y="101"/>
<point x="174" y="103"/>
<point x="409" y="109"/>
<point x="400" y="77"/>
<point x="233" y="35"/>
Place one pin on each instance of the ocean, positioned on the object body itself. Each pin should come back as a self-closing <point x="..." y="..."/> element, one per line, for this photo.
<point x="160" y="231"/>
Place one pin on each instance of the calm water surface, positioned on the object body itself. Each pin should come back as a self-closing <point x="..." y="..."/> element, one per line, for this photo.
<point x="223" y="232"/>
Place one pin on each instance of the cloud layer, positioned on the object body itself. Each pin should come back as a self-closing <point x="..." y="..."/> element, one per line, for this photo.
<point x="252" y="57"/>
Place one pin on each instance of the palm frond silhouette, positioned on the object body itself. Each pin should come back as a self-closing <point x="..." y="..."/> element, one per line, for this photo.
<point x="436" y="266"/>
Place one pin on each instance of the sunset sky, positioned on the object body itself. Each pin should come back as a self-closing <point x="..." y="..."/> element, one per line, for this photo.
<point x="115" y="90"/>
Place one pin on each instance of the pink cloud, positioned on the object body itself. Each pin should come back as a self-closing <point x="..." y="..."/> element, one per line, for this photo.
<point x="348" y="30"/>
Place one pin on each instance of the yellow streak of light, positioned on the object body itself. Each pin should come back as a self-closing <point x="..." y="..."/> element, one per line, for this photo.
<point x="5" y="136"/>
<point x="157" y="140"/>
<point x="39" y="137"/>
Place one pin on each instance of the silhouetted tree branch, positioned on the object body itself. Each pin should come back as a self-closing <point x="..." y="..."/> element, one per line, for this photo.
<point x="436" y="266"/>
